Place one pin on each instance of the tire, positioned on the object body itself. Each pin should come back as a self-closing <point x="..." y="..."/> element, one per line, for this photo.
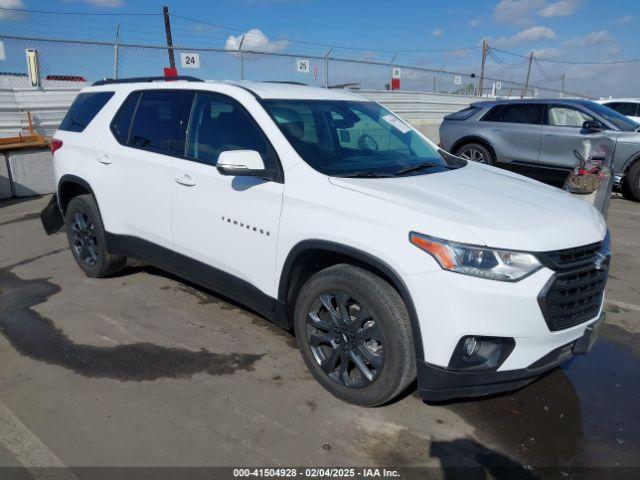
<point x="477" y="150"/>
<point x="631" y="183"/>
<point x="378" y="334"/>
<point x="87" y="239"/>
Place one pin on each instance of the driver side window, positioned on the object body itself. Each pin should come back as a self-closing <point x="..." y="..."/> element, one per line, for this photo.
<point x="218" y="124"/>
<point x="567" y="117"/>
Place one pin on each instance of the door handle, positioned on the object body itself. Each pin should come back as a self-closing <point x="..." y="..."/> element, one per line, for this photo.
<point x="185" y="180"/>
<point x="104" y="158"/>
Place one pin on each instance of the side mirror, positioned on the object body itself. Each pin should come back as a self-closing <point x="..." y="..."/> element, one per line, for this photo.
<point x="242" y="163"/>
<point x="592" y="126"/>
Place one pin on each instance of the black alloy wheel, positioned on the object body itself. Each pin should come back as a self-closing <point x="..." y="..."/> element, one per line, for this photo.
<point x="345" y="339"/>
<point x="83" y="239"/>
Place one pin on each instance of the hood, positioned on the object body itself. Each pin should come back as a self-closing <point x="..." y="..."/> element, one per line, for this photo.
<point x="488" y="206"/>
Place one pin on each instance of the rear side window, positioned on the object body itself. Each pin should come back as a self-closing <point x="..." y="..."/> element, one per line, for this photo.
<point x="155" y="120"/>
<point x="527" y="113"/>
<point x="625" y="108"/>
<point x="83" y="109"/>
<point x="121" y="123"/>
<point x="462" y="114"/>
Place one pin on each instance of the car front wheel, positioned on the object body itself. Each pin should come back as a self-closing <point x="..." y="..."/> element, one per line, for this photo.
<point x="354" y="334"/>
<point x="476" y="153"/>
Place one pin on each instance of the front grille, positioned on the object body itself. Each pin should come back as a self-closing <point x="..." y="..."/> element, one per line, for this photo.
<point x="574" y="294"/>
<point x="571" y="258"/>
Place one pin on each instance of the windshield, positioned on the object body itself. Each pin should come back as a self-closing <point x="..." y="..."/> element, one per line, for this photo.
<point x="619" y="120"/>
<point x="354" y="139"/>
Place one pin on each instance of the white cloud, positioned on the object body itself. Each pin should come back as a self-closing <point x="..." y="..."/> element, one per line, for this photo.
<point x="613" y="51"/>
<point x="256" y="41"/>
<point x="8" y="15"/>
<point x="474" y="23"/>
<point x="105" y="3"/>
<point x="456" y="54"/>
<point x="531" y="34"/>
<point x="534" y="34"/>
<point x="516" y="11"/>
<point x="550" y="53"/>
<point x="622" y="20"/>
<point x="437" y="32"/>
<point x="204" y="27"/>
<point x="592" y="38"/>
<point x="561" y="8"/>
<point x="525" y="11"/>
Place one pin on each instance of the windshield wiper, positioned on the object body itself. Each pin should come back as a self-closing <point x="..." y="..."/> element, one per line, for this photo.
<point x="418" y="167"/>
<point x="365" y="175"/>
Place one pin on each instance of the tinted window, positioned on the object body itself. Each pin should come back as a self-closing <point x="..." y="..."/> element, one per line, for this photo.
<point x="493" y="115"/>
<point x="84" y="108"/>
<point x="522" y="113"/>
<point x="122" y="121"/>
<point x="515" y="113"/>
<point x="567" y="117"/>
<point x="155" y="120"/>
<point x="625" y="108"/>
<point x="462" y="114"/>
<point x="219" y="124"/>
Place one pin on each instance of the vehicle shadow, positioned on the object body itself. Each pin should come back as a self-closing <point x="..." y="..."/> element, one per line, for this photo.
<point x="206" y="296"/>
<point x="468" y="459"/>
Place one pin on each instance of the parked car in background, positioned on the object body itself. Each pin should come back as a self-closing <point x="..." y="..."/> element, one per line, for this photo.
<point x="390" y="258"/>
<point x="537" y="138"/>
<point x="626" y="106"/>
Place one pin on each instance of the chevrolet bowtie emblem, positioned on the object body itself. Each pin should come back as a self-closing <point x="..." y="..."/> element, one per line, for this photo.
<point x="602" y="261"/>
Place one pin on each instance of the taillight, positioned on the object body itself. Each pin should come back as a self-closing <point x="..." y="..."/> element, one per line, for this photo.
<point x="54" y="145"/>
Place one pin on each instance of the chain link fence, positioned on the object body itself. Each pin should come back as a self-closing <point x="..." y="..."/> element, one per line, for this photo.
<point x="73" y="63"/>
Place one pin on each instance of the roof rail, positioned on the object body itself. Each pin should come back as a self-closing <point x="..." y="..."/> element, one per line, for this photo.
<point x="110" y="81"/>
<point x="285" y="82"/>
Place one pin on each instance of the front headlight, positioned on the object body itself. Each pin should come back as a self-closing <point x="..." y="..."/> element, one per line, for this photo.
<point x="495" y="264"/>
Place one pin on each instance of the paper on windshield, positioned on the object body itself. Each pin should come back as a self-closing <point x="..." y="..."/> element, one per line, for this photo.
<point x="397" y="123"/>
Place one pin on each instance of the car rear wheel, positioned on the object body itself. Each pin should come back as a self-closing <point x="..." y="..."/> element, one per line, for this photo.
<point x="476" y="153"/>
<point x="631" y="183"/>
<point x="87" y="239"/>
<point x="354" y="334"/>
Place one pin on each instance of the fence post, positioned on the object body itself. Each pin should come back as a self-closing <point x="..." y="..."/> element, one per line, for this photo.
<point x="526" y="83"/>
<point x="485" y="49"/>
<point x="115" y="53"/>
<point x="241" y="58"/>
<point x="326" y="68"/>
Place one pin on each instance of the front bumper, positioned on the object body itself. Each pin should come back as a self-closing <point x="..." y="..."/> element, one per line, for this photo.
<point x="438" y="384"/>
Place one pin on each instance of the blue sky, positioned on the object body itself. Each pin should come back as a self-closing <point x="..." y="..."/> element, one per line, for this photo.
<point x="425" y="33"/>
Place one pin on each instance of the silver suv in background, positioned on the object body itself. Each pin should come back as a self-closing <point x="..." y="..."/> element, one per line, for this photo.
<point x="537" y="138"/>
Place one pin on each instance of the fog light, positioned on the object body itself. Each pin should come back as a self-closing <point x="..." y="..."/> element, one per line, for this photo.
<point x="471" y="347"/>
<point x="481" y="353"/>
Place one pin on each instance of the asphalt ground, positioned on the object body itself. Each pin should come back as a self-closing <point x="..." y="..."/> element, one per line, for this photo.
<point x="145" y="370"/>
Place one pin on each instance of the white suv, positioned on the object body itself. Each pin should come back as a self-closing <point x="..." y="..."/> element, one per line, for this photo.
<point x="329" y="215"/>
<point x="626" y="106"/>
